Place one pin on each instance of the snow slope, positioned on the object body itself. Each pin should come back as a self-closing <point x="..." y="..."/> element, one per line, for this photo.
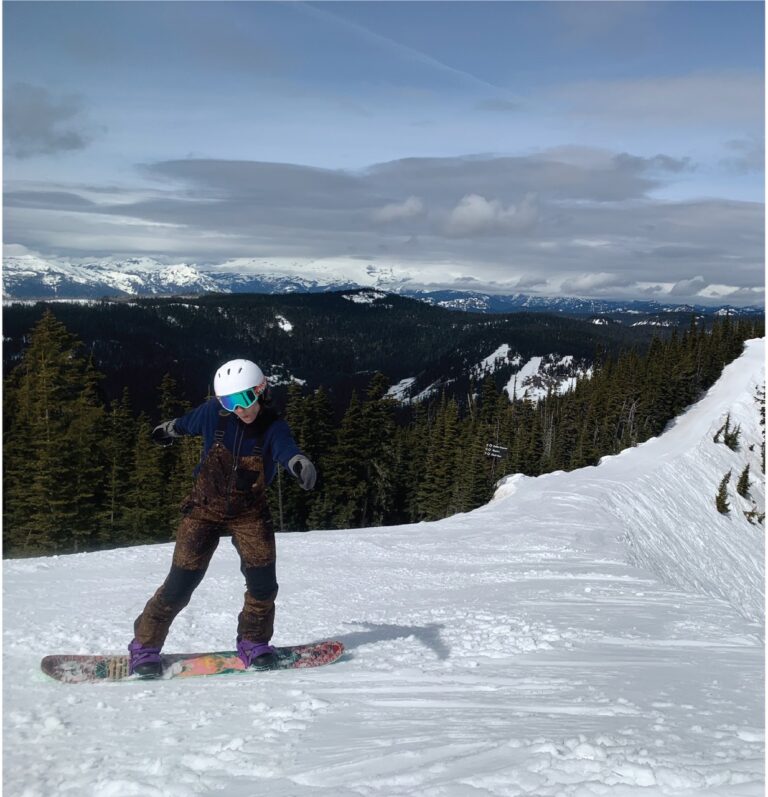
<point x="508" y="651"/>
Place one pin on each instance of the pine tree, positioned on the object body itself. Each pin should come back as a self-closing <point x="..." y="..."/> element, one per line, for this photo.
<point x="731" y="437"/>
<point x="436" y="487"/>
<point x="177" y="461"/>
<point x="52" y="466"/>
<point x="721" y="500"/>
<point x="472" y="481"/>
<point x="415" y="442"/>
<point x="342" y="504"/>
<point x="84" y="467"/>
<point x="145" y="508"/>
<point x="378" y="451"/>
<point x="744" y="483"/>
<point x="119" y="441"/>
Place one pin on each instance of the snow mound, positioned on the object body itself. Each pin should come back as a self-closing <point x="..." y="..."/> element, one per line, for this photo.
<point x="662" y="493"/>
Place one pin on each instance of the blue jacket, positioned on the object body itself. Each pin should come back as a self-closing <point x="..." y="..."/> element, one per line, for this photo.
<point x="268" y="432"/>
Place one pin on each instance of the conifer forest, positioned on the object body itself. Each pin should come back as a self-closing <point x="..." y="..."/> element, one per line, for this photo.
<point x="81" y="472"/>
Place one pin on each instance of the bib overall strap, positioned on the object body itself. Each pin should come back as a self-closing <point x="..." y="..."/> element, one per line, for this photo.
<point x="221" y="427"/>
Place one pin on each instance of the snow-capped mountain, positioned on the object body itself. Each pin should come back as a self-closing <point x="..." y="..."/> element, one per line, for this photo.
<point x="31" y="277"/>
<point x="598" y="632"/>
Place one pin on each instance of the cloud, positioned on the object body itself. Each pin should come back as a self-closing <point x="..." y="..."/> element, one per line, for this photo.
<point x="573" y="219"/>
<point x="745" y="156"/>
<point x="49" y="200"/>
<point x="411" y="207"/>
<point x="595" y="283"/>
<point x="476" y="215"/>
<point x="38" y="123"/>
<point x="531" y="282"/>
<point x="688" y="287"/>
<point x="662" y="163"/>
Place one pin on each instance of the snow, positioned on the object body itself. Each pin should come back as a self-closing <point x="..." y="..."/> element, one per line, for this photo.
<point x="584" y="634"/>
<point x="516" y="382"/>
<point x="284" y="323"/>
<point x="400" y="391"/>
<point x="535" y="379"/>
<point x="364" y="297"/>
<point x="493" y="361"/>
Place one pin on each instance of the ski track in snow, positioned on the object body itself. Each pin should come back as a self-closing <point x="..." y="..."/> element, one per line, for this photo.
<point x="508" y="651"/>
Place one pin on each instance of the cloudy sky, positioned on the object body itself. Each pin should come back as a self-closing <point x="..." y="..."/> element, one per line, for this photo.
<point x="607" y="149"/>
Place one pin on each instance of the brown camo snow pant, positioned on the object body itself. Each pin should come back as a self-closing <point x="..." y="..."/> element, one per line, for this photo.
<point x="224" y="501"/>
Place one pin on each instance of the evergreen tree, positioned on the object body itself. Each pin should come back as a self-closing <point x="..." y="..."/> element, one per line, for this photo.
<point x="436" y="488"/>
<point x="342" y="504"/>
<point x="721" y="500"/>
<point x="145" y="506"/>
<point x="119" y="442"/>
<point x="414" y="447"/>
<point x="731" y="437"/>
<point x="177" y="461"/>
<point x="83" y="468"/>
<point x="744" y="483"/>
<point x="378" y="451"/>
<point x="52" y="474"/>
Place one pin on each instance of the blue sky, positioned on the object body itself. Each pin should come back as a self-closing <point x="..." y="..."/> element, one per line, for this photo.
<point x="608" y="148"/>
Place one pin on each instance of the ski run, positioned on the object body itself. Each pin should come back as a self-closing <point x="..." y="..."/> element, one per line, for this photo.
<point x="591" y="633"/>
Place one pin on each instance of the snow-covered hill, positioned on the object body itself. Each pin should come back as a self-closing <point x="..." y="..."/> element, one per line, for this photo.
<point x="533" y="378"/>
<point x="513" y="650"/>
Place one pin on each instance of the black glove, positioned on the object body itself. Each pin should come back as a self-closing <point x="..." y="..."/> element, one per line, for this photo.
<point x="303" y="470"/>
<point x="165" y="434"/>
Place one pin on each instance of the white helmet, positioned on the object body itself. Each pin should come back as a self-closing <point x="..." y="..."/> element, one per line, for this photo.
<point x="237" y="375"/>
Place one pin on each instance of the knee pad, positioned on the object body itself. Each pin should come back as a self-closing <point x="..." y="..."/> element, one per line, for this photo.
<point x="261" y="582"/>
<point x="180" y="585"/>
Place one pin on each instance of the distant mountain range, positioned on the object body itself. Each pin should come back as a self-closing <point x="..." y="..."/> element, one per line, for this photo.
<point x="29" y="277"/>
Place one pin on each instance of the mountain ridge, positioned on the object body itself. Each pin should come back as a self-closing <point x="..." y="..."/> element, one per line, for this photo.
<point x="33" y="278"/>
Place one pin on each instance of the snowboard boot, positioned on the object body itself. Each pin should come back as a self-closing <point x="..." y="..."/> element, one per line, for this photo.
<point x="257" y="655"/>
<point x="145" y="662"/>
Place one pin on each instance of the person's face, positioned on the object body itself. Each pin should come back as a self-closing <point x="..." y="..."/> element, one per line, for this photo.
<point x="249" y="415"/>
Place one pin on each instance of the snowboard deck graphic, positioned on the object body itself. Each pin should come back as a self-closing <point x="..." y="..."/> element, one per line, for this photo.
<point x="88" y="669"/>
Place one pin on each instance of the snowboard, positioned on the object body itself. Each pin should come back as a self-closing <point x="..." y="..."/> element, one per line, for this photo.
<point x="73" y="669"/>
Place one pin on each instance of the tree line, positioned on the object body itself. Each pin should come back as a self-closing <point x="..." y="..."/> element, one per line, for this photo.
<point x="81" y="473"/>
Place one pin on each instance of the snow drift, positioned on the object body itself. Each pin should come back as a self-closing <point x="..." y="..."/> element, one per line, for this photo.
<point x="662" y="493"/>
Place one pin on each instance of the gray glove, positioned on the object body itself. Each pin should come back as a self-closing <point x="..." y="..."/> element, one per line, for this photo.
<point x="303" y="470"/>
<point x="165" y="434"/>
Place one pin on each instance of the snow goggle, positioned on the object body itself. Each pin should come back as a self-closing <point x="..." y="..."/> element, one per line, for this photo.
<point x="243" y="398"/>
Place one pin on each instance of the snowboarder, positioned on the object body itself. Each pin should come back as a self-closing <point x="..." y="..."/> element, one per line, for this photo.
<point x="244" y="441"/>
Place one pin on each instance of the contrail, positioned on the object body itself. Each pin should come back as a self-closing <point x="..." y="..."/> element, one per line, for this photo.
<point x="402" y="49"/>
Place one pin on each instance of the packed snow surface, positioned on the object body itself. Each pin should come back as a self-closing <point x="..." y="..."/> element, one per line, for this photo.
<point x="509" y="651"/>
